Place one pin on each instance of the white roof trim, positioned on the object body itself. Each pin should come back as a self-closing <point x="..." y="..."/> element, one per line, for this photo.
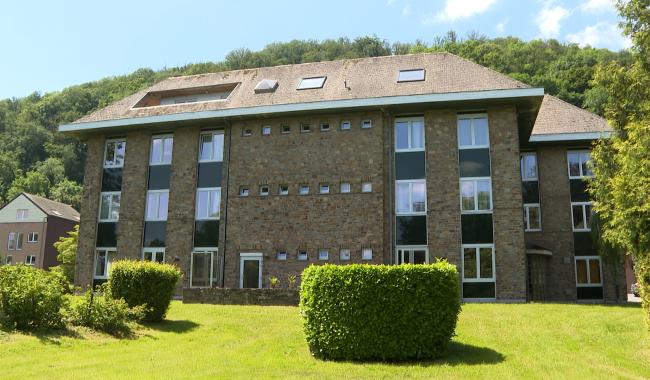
<point x="544" y="252"/>
<point x="569" y="136"/>
<point x="309" y="106"/>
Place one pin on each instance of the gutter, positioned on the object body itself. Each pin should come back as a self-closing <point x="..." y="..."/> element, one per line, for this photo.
<point x="579" y="136"/>
<point x="308" y="106"/>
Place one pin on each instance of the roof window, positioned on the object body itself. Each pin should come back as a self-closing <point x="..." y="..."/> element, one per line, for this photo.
<point x="411" y="75"/>
<point x="218" y="92"/>
<point x="266" y="85"/>
<point x="310" y="83"/>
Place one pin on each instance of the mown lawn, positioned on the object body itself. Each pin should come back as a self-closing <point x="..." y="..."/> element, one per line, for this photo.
<point x="495" y="341"/>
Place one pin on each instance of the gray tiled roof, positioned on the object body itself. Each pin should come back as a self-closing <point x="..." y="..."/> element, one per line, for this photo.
<point x="557" y="117"/>
<point x="54" y="208"/>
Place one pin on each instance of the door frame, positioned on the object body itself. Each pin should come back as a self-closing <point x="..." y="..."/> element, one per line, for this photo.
<point x="244" y="256"/>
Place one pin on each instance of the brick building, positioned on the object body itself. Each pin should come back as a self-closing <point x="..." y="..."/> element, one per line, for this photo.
<point x="239" y="176"/>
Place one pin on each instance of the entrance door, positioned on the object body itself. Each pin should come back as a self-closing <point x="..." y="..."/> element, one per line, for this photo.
<point x="537" y="277"/>
<point x="204" y="268"/>
<point x="250" y="270"/>
<point x="412" y="255"/>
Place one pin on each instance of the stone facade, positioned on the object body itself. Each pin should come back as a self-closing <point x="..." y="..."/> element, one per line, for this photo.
<point x="230" y="296"/>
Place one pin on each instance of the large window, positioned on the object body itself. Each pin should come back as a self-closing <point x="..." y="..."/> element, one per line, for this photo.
<point x="581" y="213"/>
<point x="478" y="263"/>
<point x="204" y="268"/>
<point x="114" y="153"/>
<point x="476" y="195"/>
<point x="529" y="166"/>
<point x="473" y="131"/>
<point x="411" y="197"/>
<point x="208" y="203"/>
<point x="19" y="241"/>
<point x="211" y="146"/>
<point x="157" y="205"/>
<point x="109" y="208"/>
<point x="578" y="161"/>
<point x="409" y="134"/>
<point x="532" y="217"/>
<point x="161" y="150"/>
<point x="588" y="271"/>
<point x="103" y="259"/>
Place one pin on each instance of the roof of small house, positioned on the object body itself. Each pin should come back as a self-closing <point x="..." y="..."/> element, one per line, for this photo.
<point x="54" y="208"/>
<point x="557" y="117"/>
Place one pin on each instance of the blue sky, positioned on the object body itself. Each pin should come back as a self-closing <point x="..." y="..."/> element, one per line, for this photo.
<point x="47" y="46"/>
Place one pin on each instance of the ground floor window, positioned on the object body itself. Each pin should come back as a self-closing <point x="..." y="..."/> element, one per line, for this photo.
<point x="9" y="260"/>
<point x="589" y="277"/>
<point x="103" y="259"/>
<point x="478" y="271"/>
<point x="250" y="270"/>
<point x="30" y="260"/>
<point x="154" y="254"/>
<point x="204" y="268"/>
<point x="411" y="255"/>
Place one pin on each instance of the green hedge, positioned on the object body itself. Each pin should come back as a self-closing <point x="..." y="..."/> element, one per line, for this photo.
<point x="642" y="271"/>
<point x="144" y="283"/>
<point x="30" y="298"/>
<point x="379" y="312"/>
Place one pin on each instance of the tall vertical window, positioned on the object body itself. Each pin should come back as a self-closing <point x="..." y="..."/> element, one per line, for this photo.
<point x="579" y="166"/>
<point x="211" y="146"/>
<point x="473" y="131"/>
<point x="588" y="271"/>
<point x="157" y="205"/>
<point x="161" y="150"/>
<point x="208" y="203"/>
<point x="103" y="260"/>
<point x="581" y="213"/>
<point x="409" y="134"/>
<point x="411" y="197"/>
<point x="114" y="153"/>
<point x="109" y="208"/>
<point x="19" y="241"/>
<point x="476" y="194"/>
<point x="532" y="217"/>
<point x="529" y="166"/>
<point x="478" y="263"/>
<point x="11" y="241"/>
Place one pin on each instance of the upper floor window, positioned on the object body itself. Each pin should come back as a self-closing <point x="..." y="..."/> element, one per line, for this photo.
<point x="411" y="75"/>
<point x="22" y="214"/>
<point x="411" y="197"/>
<point x="346" y="125"/>
<point x="32" y="237"/>
<point x="211" y="146"/>
<point x="473" y="131"/>
<point x="581" y="214"/>
<point x="109" y="208"/>
<point x="409" y="134"/>
<point x="532" y="217"/>
<point x="529" y="166"/>
<point x="19" y="241"/>
<point x="114" y="153"/>
<point x="476" y="194"/>
<point x="588" y="271"/>
<point x="578" y="161"/>
<point x="208" y="204"/>
<point x="365" y="124"/>
<point x="313" y="82"/>
<point x="161" y="150"/>
<point x="11" y="241"/>
<point x="157" y="205"/>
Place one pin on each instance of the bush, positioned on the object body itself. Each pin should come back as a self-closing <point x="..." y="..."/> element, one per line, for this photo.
<point x="379" y="312"/>
<point x="144" y="283"/>
<point x="30" y="298"/>
<point x="642" y="271"/>
<point x="101" y="312"/>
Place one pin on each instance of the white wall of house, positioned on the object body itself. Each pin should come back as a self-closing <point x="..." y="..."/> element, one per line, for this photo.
<point x="8" y="214"/>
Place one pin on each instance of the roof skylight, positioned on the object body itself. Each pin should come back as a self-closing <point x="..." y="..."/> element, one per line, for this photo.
<point x="266" y="85"/>
<point x="219" y="92"/>
<point x="411" y="75"/>
<point x="310" y="83"/>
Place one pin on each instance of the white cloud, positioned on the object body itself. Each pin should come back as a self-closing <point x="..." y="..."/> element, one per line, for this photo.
<point x="598" y="6"/>
<point x="501" y="26"/>
<point x="549" y="18"/>
<point x="601" y="34"/>
<point x="460" y="9"/>
<point x="407" y="10"/>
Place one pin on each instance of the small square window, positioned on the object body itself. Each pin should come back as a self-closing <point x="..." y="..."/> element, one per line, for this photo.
<point x="244" y="191"/>
<point x="304" y="189"/>
<point x="264" y="190"/>
<point x="284" y="190"/>
<point x="286" y="129"/>
<point x="366" y="187"/>
<point x="344" y="254"/>
<point x="302" y="255"/>
<point x="411" y="75"/>
<point x="266" y="130"/>
<point x="247" y="132"/>
<point x="323" y="254"/>
<point x="366" y="124"/>
<point x="305" y="128"/>
<point x="366" y="254"/>
<point x="324" y="188"/>
<point x="281" y="256"/>
<point x="345" y="125"/>
<point x="324" y="127"/>
<point x="345" y="187"/>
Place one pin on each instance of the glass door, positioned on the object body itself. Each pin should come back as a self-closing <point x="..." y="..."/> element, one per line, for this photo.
<point x="250" y="273"/>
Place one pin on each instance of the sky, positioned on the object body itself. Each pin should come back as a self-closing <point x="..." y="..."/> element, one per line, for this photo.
<point x="49" y="45"/>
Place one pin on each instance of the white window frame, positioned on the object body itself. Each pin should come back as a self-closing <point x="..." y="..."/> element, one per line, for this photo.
<point x="587" y="228"/>
<point x="11" y="238"/>
<point x="158" y="217"/>
<point x="312" y="83"/>
<point x="155" y="251"/>
<point x="214" y="255"/>
<point x="196" y="207"/>
<point x="522" y="160"/>
<point x="266" y="128"/>
<point x="19" y="239"/>
<point x="417" y="79"/>
<point x="162" y="159"/>
<point x="472" y="117"/>
<point x="580" y="152"/>
<point x="589" y="284"/>
<point x="305" y="127"/>
<point x="22" y="214"/>
<point x="346" y="125"/>
<point x="101" y="198"/>
<point x="298" y="255"/>
<point x="109" y="251"/>
<point x="282" y="191"/>
<point x="252" y="256"/>
<point x="410" y="182"/>
<point x="527" y="207"/>
<point x="212" y="153"/>
<point x="349" y="190"/>
<point x="410" y="249"/>
<point x="30" y="260"/>
<point x="349" y="254"/>
<point x="323" y="254"/>
<point x="32" y="237"/>
<point x="281" y="256"/>
<point x="478" y="263"/>
<point x="113" y="165"/>
<point x="264" y="193"/>
<point x="476" y="210"/>
<point x="366" y="187"/>
<point x="324" y="188"/>
<point x="364" y="257"/>
<point x="244" y="191"/>
<point x="325" y="127"/>
<point x="410" y="120"/>
<point x="300" y="189"/>
<point x="366" y="124"/>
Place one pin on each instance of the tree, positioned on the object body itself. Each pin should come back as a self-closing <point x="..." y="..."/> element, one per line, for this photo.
<point x="67" y="257"/>
<point x="68" y="192"/>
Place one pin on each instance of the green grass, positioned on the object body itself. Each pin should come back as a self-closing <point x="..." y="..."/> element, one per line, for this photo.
<point x="495" y="341"/>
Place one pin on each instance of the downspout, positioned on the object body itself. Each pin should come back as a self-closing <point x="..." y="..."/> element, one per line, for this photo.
<point x="225" y="186"/>
<point x="42" y="242"/>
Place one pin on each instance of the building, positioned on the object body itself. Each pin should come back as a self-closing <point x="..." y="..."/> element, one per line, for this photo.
<point x="243" y="175"/>
<point x="29" y="226"/>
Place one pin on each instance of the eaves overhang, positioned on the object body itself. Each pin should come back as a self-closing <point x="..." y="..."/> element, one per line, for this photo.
<point x="569" y="137"/>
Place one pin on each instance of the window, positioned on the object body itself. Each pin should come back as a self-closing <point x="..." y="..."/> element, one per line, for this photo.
<point x="305" y="128"/>
<point x="30" y="260"/>
<point x="478" y="263"/>
<point x="366" y="187"/>
<point x="9" y="260"/>
<point x="244" y="191"/>
<point x="344" y="254"/>
<point x="409" y="134"/>
<point x="302" y="255"/>
<point x="32" y="237"/>
<point x="346" y="125"/>
<point x="19" y="241"/>
<point x="208" y="203"/>
<point x="578" y="161"/>
<point x="588" y="271"/>
<point x="286" y="129"/>
<point x="324" y="127"/>
<point x="157" y="205"/>
<point x="345" y="187"/>
<point x="304" y="189"/>
<point x="414" y="75"/>
<point x="473" y="131"/>
<point x="324" y="188"/>
<point x="250" y="270"/>
<point x="22" y="214"/>
<point x="529" y="166"/>
<point x="366" y="254"/>
<point x="247" y="132"/>
<point x="264" y="190"/>
<point x="412" y="255"/>
<point x="311" y="83"/>
<point x="204" y="268"/>
<point x="109" y="209"/>
<point x="161" y="150"/>
<point x="281" y="256"/>
<point x="156" y="255"/>
<point x="323" y="254"/>
<point x="581" y="213"/>
<point x="211" y="146"/>
<point x="476" y="194"/>
<point x="266" y="130"/>
<point x="103" y="260"/>
<point x="284" y="190"/>
<point x="11" y="241"/>
<point x="114" y="153"/>
<point x="366" y="124"/>
<point x="411" y="197"/>
<point x="532" y="217"/>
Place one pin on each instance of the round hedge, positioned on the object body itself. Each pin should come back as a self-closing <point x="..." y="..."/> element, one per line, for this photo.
<point x="379" y="312"/>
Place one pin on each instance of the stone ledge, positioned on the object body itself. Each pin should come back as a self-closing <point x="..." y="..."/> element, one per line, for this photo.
<point x="232" y="296"/>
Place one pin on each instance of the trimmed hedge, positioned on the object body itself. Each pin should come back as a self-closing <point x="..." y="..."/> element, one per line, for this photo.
<point x="144" y="283"/>
<point x="379" y="312"/>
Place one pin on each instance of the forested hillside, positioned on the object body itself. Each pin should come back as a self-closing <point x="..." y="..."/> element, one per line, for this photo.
<point x="35" y="158"/>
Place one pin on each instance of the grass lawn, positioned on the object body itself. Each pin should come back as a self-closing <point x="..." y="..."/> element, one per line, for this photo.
<point x="205" y="341"/>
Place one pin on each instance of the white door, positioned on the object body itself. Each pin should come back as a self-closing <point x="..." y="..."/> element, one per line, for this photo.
<point x="250" y="270"/>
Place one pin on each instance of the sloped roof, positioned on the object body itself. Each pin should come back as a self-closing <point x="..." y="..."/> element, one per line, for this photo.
<point x="53" y="208"/>
<point x="346" y="79"/>
<point x="558" y="117"/>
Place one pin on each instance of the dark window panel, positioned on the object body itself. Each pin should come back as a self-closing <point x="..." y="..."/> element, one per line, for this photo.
<point x="474" y="162"/>
<point x="98" y="281"/>
<point x="159" y="177"/>
<point x="476" y="228"/>
<point x="409" y="165"/>
<point x="206" y="233"/>
<point x="579" y="190"/>
<point x="479" y="290"/>
<point x="154" y="234"/>
<point x="106" y="234"/>
<point x="583" y="244"/>
<point x="530" y="190"/>
<point x="112" y="179"/>
<point x="411" y="230"/>
<point x="590" y="293"/>
<point x="209" y="174"/>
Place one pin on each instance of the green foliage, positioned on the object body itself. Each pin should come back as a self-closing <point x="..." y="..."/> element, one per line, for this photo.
<point x="379" y="312"/>
<point x="66" y="247"/>
<point x="642" y="271"/>
<point x="144" y="283"/>
<point x="30" y="298"/>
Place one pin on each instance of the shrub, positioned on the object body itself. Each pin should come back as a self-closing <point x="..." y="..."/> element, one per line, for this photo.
<point x="99" y="311"/>
<point x="144" y="283"/>
<point x="642" y="271"/>
<point x="30" y="298"/>
<point x="379" y="312"/>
